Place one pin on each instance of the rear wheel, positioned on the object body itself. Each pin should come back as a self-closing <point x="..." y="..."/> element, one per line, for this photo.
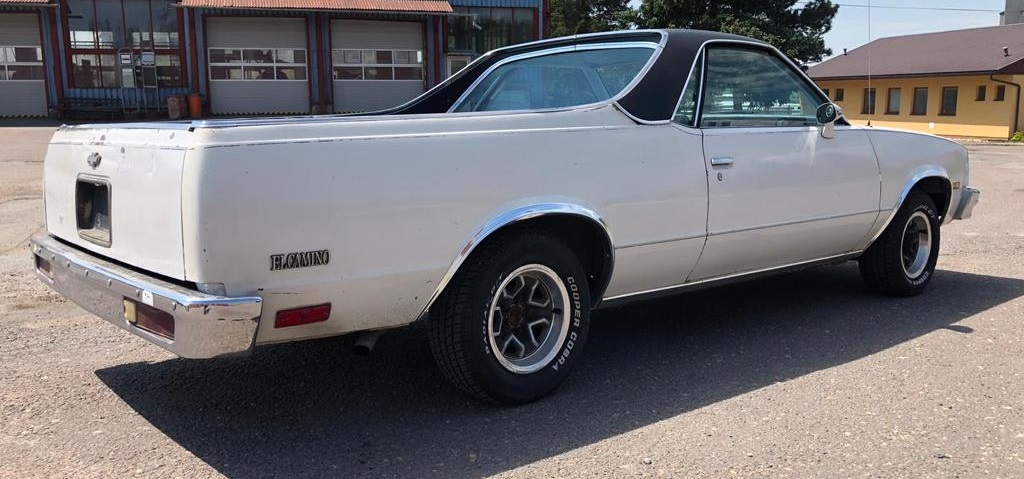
<point x="902" y="260"/>
<point x="513" y="322"/>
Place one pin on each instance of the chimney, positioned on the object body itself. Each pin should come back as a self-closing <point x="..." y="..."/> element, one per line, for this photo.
<point x="844" y="52"/>
<point x="1006" y="51"/>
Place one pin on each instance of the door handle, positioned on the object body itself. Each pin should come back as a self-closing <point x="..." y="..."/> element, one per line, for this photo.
<point x="722" y="161"/>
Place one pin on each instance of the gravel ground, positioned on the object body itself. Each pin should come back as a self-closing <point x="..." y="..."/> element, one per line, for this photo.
<point x="805" y="375"/>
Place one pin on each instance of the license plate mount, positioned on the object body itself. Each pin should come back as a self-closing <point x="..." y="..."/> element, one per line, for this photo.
<point x="92" y="209"/>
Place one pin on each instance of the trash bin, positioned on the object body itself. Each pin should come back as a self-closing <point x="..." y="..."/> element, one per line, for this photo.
<point x="175" y="107"/>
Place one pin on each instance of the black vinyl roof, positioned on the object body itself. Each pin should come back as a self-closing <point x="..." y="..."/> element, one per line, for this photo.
<point x="653" y="99"/>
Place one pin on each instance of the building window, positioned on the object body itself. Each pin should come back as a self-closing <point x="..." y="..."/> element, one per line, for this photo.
<point x="257" y="64"/>
<point x="21" y="63"/>
<point x="869" y="102"/>
<point x="1000" y="93"/>
<point x="378" y="65"/>
<point x="94" y="71"/>
<point x="920" y="102"/>
<point x="892" y="105"/>
<point x="479" y="30"/>
<point x="981" y="94"/>
<point x="840" y="94"/>
<point x="828" y="93"/>
<point x="97" y="29"/>
<point x="949" y="94"/>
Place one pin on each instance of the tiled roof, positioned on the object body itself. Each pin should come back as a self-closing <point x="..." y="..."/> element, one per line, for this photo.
<point x="975" y="50"/>
<point x="427" y="6"/>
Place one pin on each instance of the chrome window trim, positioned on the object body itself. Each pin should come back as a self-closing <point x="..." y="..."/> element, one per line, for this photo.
<point x="517" y="215"/>
<point x="658" y="48"/>
<point x="702" y="56"/>
<point x="700" y="91"/>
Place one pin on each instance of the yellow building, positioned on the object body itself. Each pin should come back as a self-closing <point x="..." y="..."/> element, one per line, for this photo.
<point x="958" y="83"/>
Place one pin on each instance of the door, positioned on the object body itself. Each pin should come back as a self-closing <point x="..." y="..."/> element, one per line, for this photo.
<point x="376" y="64"/>
<point x="22" y="78"/>
<point x="779" y="193"/>
<point x="258" y="65"/>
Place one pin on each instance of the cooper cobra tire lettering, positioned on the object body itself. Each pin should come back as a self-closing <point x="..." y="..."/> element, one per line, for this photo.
<point x="461" y="325"/>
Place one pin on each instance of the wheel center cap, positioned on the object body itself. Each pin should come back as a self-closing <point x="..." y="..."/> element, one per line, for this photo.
<point x="515" y="315"/>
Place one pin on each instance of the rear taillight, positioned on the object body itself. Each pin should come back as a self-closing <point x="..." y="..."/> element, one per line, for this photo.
<point x="304" y="315"/>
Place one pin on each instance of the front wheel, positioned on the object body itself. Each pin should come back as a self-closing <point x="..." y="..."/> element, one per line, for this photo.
<point x="902" y="260"/>
<point x="513" y="322"/>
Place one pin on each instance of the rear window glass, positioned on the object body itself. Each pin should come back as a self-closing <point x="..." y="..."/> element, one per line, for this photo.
<point x="558" y="80"/>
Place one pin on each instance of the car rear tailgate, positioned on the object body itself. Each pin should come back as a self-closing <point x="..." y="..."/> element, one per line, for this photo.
<point x="117" y="192"/>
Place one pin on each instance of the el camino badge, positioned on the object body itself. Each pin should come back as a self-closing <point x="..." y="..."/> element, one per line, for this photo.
<point x="299" y="260"/>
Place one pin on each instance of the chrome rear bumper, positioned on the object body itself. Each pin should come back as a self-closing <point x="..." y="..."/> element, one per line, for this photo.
<point x="205" y="326"/>
<point x="968" y="199"/>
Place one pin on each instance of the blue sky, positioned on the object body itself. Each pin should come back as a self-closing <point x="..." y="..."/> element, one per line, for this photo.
<point x="850" y="27"/>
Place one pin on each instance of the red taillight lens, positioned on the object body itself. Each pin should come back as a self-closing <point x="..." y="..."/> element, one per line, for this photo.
<point x="305" y="315"/>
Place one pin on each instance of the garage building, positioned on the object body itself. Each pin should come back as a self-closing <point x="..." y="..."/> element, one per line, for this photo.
<point x="125" y="58"/>
<point x="22" y="76"/>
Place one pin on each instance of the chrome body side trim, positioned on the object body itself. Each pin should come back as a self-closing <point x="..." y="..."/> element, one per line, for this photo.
<point x="205" y="326"/>
<point x="565" y="49"/>
<point x="792" y="223"/>
<point x="720" y="280"/>
<point x="183" y="125"/>
<point x="968" y="200"/>
<point x="657" y="242"/>
<point x="927" y="173"/>
<point x="517" y="215"/>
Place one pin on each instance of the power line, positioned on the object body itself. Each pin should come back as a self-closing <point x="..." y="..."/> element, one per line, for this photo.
<point x="893" y="7"/>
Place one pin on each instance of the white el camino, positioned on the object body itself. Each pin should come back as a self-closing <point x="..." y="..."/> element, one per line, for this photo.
<point x="542" y="181"/>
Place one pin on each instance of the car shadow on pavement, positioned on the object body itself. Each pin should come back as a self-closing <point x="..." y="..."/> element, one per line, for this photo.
<point x="313" y="409"/>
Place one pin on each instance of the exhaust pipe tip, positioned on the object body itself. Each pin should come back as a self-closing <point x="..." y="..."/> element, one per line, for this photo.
<point x="365" y="343"/>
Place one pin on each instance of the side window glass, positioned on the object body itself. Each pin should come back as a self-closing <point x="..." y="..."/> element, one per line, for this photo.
<point x="749" y="88"/>
<point x="557" y="80"/>
<point x="686" y="112"/>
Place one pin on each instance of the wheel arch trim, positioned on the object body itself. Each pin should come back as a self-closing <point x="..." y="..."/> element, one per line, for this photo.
<point x="519" y="215"/>
<point x="918" y="175"/>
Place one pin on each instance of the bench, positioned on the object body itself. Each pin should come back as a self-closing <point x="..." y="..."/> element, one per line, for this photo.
<point x="92" y="108"/>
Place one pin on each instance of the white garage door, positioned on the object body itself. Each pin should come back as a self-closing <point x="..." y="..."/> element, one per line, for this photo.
<point x="258" y="65"/>
<point x="22" y="78"/>
<point x="376" y="64"/>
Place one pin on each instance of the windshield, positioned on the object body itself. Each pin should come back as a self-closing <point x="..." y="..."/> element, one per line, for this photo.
<point x="557" y="80"/>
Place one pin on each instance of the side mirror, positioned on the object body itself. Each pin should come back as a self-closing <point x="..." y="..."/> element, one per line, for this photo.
<point x="827" y="115"/>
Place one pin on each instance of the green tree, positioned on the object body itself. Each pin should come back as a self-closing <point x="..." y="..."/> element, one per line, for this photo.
<point x="569" y="17"/>
<point x="797" y="31"/>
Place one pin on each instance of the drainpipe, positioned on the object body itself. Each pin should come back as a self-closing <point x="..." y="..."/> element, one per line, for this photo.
<point x="1016" y="108"/>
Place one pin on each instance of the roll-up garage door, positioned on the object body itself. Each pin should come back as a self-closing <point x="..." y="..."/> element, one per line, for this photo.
<point x="376" y="64"/>
<point x="22" y="77"/>
<point x="258" y="65"/>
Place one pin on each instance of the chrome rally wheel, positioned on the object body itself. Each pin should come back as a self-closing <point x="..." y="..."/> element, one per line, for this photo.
<point x="527" y="319"/>
<point x="917" y="244"/>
